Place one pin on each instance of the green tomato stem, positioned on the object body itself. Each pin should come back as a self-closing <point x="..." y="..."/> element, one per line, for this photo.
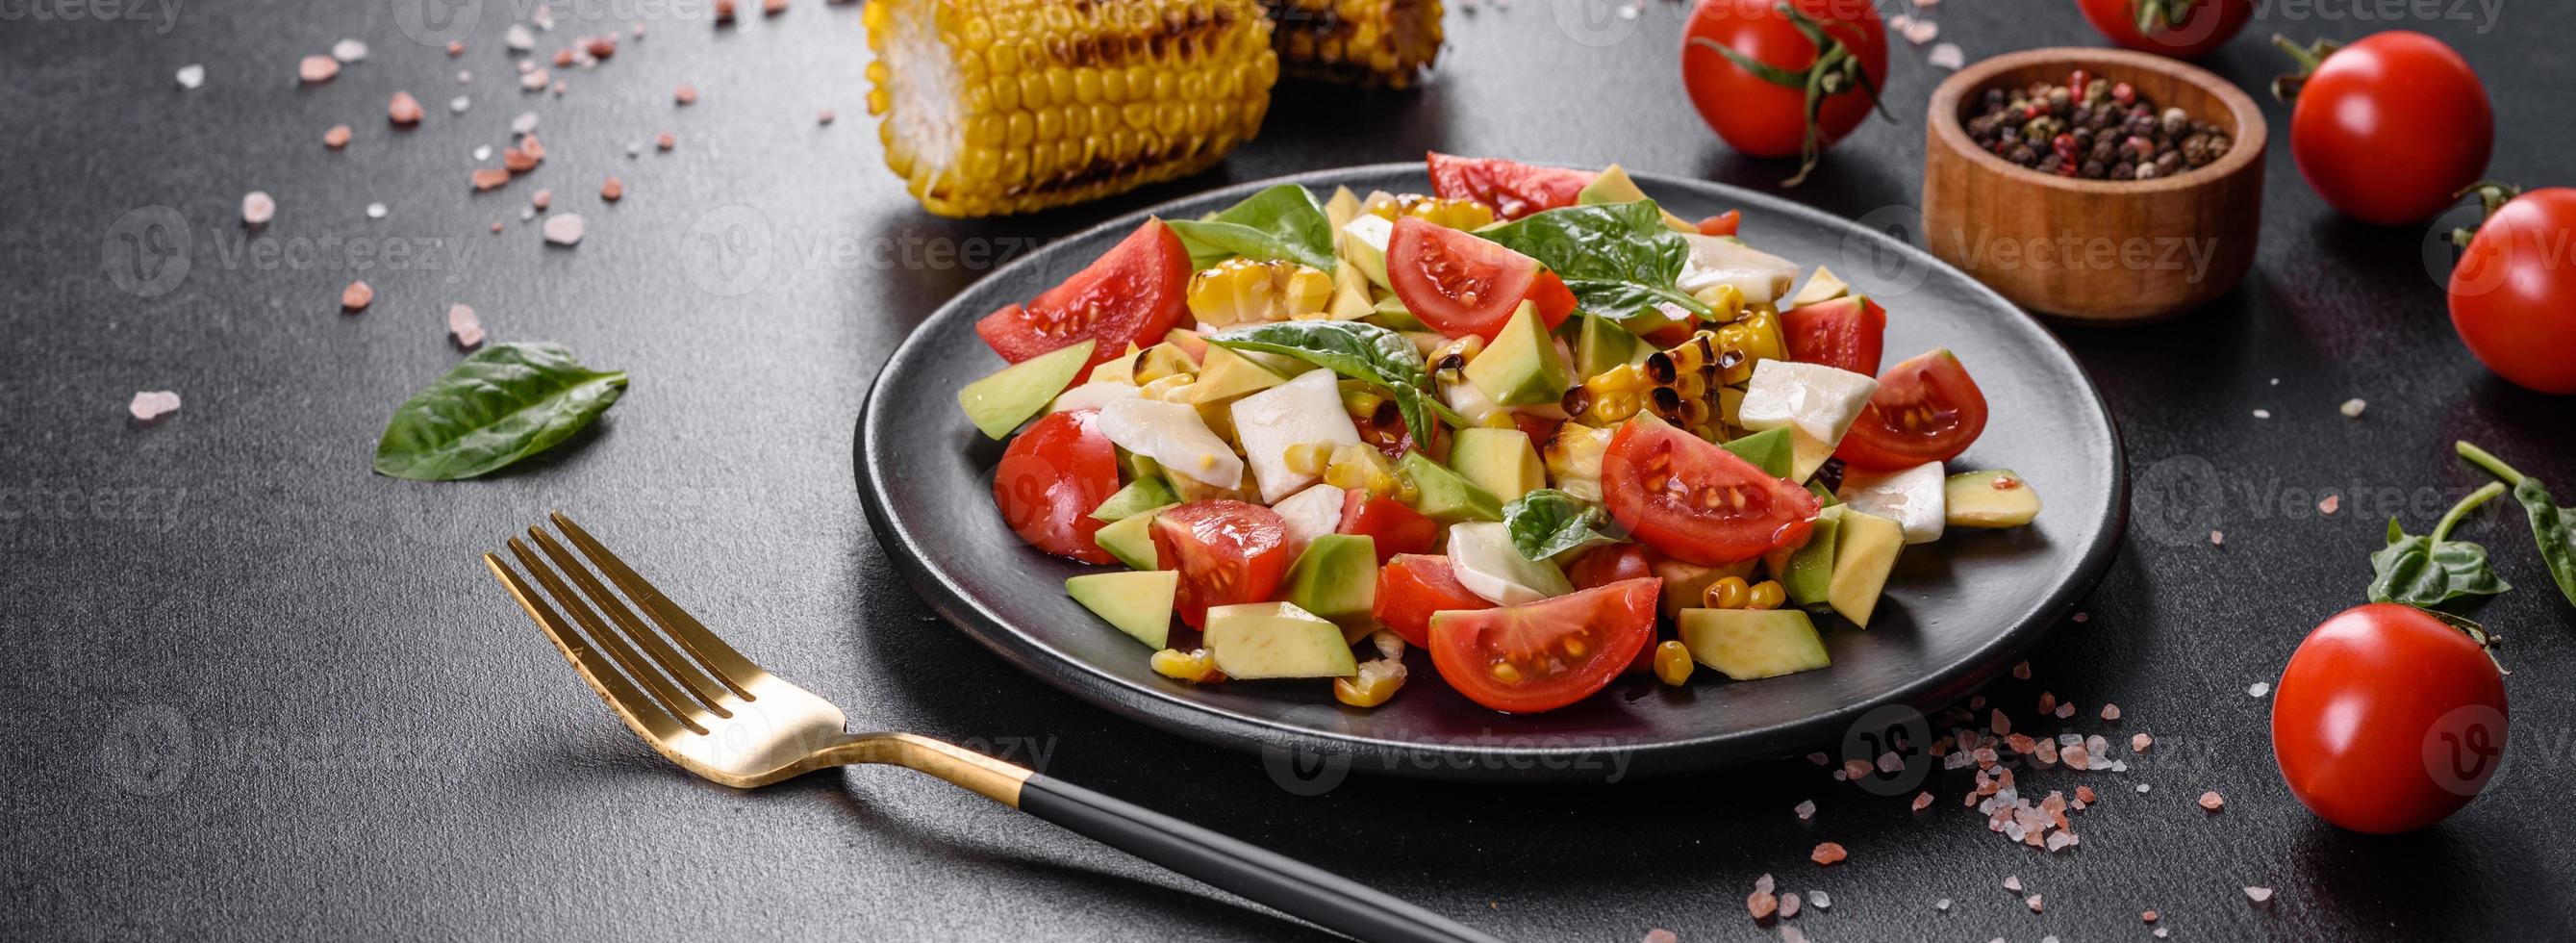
<point x="2462" y="509"/>
<point x="2487" y="460"/>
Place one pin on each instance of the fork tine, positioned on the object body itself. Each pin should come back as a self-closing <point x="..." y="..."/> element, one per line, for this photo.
<point x="640" y="712"/>
<point x="668" y="697"/>
<point x="686" y="673"/>
<point x="711" y="652"/>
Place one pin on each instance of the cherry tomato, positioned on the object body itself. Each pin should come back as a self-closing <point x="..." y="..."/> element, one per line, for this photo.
<point x="1538" y="428"/>
<point x="1926" y="410"/>
<point x="1602" y="566"/>
<point x="1394" y="527"/>
<point x="1052" y="477"/>
<point x="1846" y="333"/>
<point x="1513" y="189"/>
<point x="1411" y="587"/>
<point x="2389" y="129"/>
<point x="1544" y="655"/>
<point x="1767" y="118"/>
<point x="1688" y="498"/>
<point x="2183" y="29"/>
<point x="1460" y="284"/>
<point x="2513" y="294"/>
<point x="2387" y="719"/>
<point x="1134" y="293"/>
<point x="1722" y="224"/>
<point x="1227" y="552"/>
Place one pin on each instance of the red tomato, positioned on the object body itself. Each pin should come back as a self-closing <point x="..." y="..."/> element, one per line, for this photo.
<point x="2387" y="719"/>
<point x="1513" y="189"/>
<point x="1538" y="428"/>
<point x="1769" y="119"/>
<point x="1134" y="293"/>
<point x="2391" y="128"/>
<point x="2183" y="29"/>
<point x="1699" y="503"/>
<point x="1394" y="527"/>
<point x="1541" y="656"/>
<point x="1602" y="566"/>
<point x="1052" y="477"/>
<point x="1413" y="586"/>
<point x="1460" y="284"/>
<point x="1847" y="333"/>
<point x="1722" y="224"/>
<point x="1926" y="410"/>
<point x="2513" y="294"/>
<point x="1227" y="552"/>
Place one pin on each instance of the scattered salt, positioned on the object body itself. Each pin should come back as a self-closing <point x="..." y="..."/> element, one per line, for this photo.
<point x="375" y="211"/>
<point x="1922" y="801"/>
<point x="2142" y="788"/>
<point x="1818" y="900"/>
<point x="403" y="109"/>
<point x="2012" y="883"/>
<point x="2212" y="801"/>
<point x="2332" y="503"/>
<point x="1946" y="56"/>
<point x="257" y="208"/>
<point x="1805" y="810"/>
<point x="1765" y="884"/>
<point x="151" y="405"/>
<point x="542" y="198"/>
<point x="2259" y="894"/>
<point x="1942" y="904"/>
<point x="2262" y="414"/>
<point x="823" y="117"/>
<point x="357" y="296"/>
<point x="2352" y="408"/>
<point x="315" y="70"/>
<point x="1828" y="853"/>
<point x="2112" y="712"/>
<point x="467" y="329"/>
<point x="1788" y="905"/>
<point x="192" y="76"/>
<point x="2217" y="539"/>
<point x="2034" y="902"/>
<point x="1660" y="935"/>
<point x="524" y="123"/>
<point x="614" y="189"/>
<point x="2021" y="670"/>
<point x="483" y="152"/>
<point x="564" y="229"/>
<point x="2139" y="743"/>
<point x="349" y="50"/>
<point x="2258" y="689"/>
<point x="519" y="39"/>
<point x="337" y="137"/>
<point x="686" y="94"/>
<point x="2084" y="617"/>
<point x="459" y="103"/>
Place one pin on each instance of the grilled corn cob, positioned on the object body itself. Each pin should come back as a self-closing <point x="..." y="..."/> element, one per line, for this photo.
<point x="1243" y="291"/>
<point x="1009" y="106"/>
<point x="1437" y="210"/>
<point x="1366" y="42"/>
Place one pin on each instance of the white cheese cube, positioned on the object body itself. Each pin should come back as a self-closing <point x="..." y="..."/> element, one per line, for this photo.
<point x="1913" y="498"/>
<point x="1718" y="260"/>
<point x="1173" y="435"/>
<point x="1821" y="401"/>
<point x="1093" y="396"/>
<point x="1481" y="555"/>
<point x="1311" y="513"/>
<point x="1307" y="409"/>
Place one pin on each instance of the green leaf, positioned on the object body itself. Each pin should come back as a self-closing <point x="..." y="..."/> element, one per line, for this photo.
<point x="1547" y="522"/>
<point x="503" y="404"/>
<point x="1618" y="258"/>
<point x="1282" y="223"/>
<point x="2427" y="570"/>
<point x="2554" y="528"/>
<point x="1361" y="351"/>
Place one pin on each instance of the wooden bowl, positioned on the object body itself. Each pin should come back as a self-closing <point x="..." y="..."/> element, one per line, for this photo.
<point x="2095" y="250"/>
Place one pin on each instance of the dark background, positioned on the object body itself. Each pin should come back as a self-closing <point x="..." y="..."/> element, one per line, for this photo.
<point x="256" y="692"/>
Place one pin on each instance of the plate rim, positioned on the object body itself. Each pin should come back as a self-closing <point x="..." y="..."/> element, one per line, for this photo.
<point x="1217" y="726"/>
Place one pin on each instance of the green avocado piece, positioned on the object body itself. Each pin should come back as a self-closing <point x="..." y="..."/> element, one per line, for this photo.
<point x="1276" y="640"/>
<point x="998" y="403"/>
<point x="1824" y="496"/>
<point x="1769" y="450"/>
<point x="1138" y="603"/>
<point x="1131" y="539"/>
<point x="1521" y="367"/>
<point x="1992" y="498"/>
<point x="1133" y="466"/>
<point x="1823" y="287"/>
<point x="1446" y="496"/>
<point x="1363" y="241"/>
<point x="1501" y="461"/>
<point x="1745" y="644"/>
<point x="1391" y="310"/>
<point x="1336" y="578"/>
<point x="1228" y="374"/>
<point x="1601" y="345"/>
<point x="1615" y="186"/>
<point x="1865" y="549"/>
<point x="1140" y="495"/>
<point x="1810" y="578"/>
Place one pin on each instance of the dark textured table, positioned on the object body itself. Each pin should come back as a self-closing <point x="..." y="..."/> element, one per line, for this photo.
<point x="256" y="692"/>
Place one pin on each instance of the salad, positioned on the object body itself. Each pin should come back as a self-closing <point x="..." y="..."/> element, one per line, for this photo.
<point x="1530" y="422"/>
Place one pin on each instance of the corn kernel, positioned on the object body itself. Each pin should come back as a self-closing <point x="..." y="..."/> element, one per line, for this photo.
<point x="1245" y="291"/>
<point x="1194" y="666"/>
<point x="1765" y="595"/>
<point x="1729" y="592"/>
<point x="1309" y="458"/>
<point x="1164" y="388"/>
<point x="1377" y="680"/>
<point x="1673" y="663"/>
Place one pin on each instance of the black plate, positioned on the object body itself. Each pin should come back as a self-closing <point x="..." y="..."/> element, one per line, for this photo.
<point x="1957" y="613"/>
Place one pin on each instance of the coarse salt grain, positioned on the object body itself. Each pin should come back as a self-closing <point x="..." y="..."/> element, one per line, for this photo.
<point x="375" y="211"/>
<point x="664" y="141"/>
<point x="2332" y="503"/>
<point x="357" y="296"/>
<point x="483" y="152"/>
<point x="2065" y="710"/>
<point x="1761" y="904"/>
<point x="2147" y="916"/>
<point x="1946" y="56"/>
<point x="464" y="326"/>
<point x="455" y="48"/>
<point x="2160" y="933"/>
<point x="2139" y="743"/>
<point x="1660" y="935"/>
<point x="519" y="39"/>
<point x="152" y="404"/>
<point x="563" y="58"/>
<point x="459" y="103"/>
<point x="490" y="178"/>
<point x="823" y="117"/>
<point x="1805" y="810"/>
<point x="403" y="109"/>
<point x="2110" y="712"/>
<point x="1819" y="759"/>
<point x="257" y="208"/>
<point x="191" y="76"/>
<point x="2084" y="617"/>
<point x="1818" y="900"/>
<point x="2217" y="539"/>
<point x="686" y="94"/>
<point x="1765" y="884"/>
<point x="2012" y="882"/>
<point x="524" y="123"/>
<point x="464" y="76"/>
<point x="349" y="50"/>
<point x="2142" y="788"/>
<point x="2258" y="689"/>
<point x="564" y="229"/>
<point x="1828" y="853"/>
<point x="2259" y="894"/>
<point x="612" y="190"/>
<point x="534" y="80"/>
<point x="1942" y="904"/>
<point x="2351" y="408"/>
<point x="315" y="70"/>
<point x="2212" y="801"/>
<point x="1922" y="801"/>
<point x="773" y="7"/>
<point x="337" y="137"/>
<point x="1788" y="905"/>
<point x="2033" y="901"/>
<point x="2021" y="670"/>
<point x="542" y="198"/>
<point x="2262" y="414"/>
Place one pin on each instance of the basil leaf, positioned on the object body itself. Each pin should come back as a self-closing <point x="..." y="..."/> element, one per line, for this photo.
<point x="1547" y="522"/>
<point x="1282" y="223"/>
<point x="2554" y="528"/>
<point x="503" y="404"/>
<point x="1361" y="351"/>
<point x="1618" y="258"/>
<point x="2425" y="571"/>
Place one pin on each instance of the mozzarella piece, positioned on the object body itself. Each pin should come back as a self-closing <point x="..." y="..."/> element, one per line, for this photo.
<point x="1311" y="513"/>
<point x="1306" y="409"/>
<point x="1718" y="260"/>
<point x="1469" y="401"/>
<point x="1093" y="396"/>
<point x="1483" y="558"/>
<point x="1821" y="401"/>
<point x="1913" y="498"/>
<point x="1173" y="435"/>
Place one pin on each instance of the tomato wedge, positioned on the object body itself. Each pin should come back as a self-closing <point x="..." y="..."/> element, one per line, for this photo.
<point x="1512" y="188"/>
<point x="1722" y="224"/>
<point x="1926" y="410"/>
<point x="1460" y="284"/>
<point x="1847" y="333"/>
<point x="1544" y="655"/>
<point x="1394" y="527"/>
<point x="1134" y="293"/>
<point x="1602" y="566"/>
<point x="1411" y="587"/>
<point x="1227" y="552"/>
<point x="1680" y="494"/>
<point x="1052" y="477"/>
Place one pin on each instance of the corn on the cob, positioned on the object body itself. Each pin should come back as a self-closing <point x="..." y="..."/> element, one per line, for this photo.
<point x="1010" y="106"/>
<point x="1367" y="42"/>
<point x="1436" y="210"/>
<point x="1243" y="291"/>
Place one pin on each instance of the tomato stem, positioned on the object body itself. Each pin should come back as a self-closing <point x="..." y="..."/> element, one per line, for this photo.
<point x="2481" y="496"/>
<point x="2487" y="460"/>
<point x="2309" y="58"/>
<point x="2160" y="14"/>
<point x="1834" y="71"/>
<point x="2491" y="195"/>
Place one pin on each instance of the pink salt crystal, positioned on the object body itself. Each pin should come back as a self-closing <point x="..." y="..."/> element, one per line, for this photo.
<point x="455" y="49"/>
<point x="541" y="199"/>
<point x="2057" y="841"/>
<point x="467" y="329"/>
<point x="1805" y="810"/>
<point x="496" y="226"/>
<point x="315" y="70"/>
<point x="665" y="141"/>
<point x="773" y="7"/>
<point x="2012" y="882"/>
<point x="1977" y="702"/>
<point x="1656" y="935"/>
<point x="2110" y="712"/>
<point x="151" y="405"/>
<point x="823" y="117"/>
<point x="564" y="229"/>
<point x="1828" y="853"/>
<point x="2217" y="539"/>
<point x="2066" y="710"/>
<point x="1819" y="759"/>
<point x="563" y="58"/>
<point x="2147" y="916"/>
<point x="613" y="190"/>
<point x="1792" y="935"/>
<point x="2021" y="670"/>
<point x="2160" y="933"/>
<point x="1889" y="762"/>
<point x="533" y="80"/>
<point x="1922" y="801"/>
<point x="1788" y="905"/>
<point x="1919" y="32"/>
<point x="257" y="208"/>
<point x="1761" y="904"/>
<point x="2047" y="703"/>
<point x="357" y="296"/>
<point x="686" y="94"/>
<point x="2084" y="794"/>
<point x="1946" y="56"/>
<point x="1856" y="769"/>
<point x="2033" y="901"/>
<point x="2259" y="894"/>
<point x="1999" y="723"/>
<point x="1765" y="884"/>
<point x="2140" y="742"/>
<point x="337" y="137"/>
<point x="403" y="109"/>
<point x="2212" y="801"/>
<point x="2084" y="617"/>
<point x="490" y="178"/>
<point x="2047" y="753"/>
<point x="2076" y="757"/>
<point x="2332" y="503"/>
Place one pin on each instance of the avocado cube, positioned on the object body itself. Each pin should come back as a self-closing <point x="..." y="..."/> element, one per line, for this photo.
<point x="1444" y="495"/>
<point x="1140" y="495"/>
<point x="1501" y="461"/>
<point x="1521" y="367"/>
<point x="1363" y="241"/>
<point x="998" y="403"/>
<point x="1138" y="603"/>
<point x="1601" y="345"/>
<point x="1276" y="640"/>
<point x="1336" y="578"/>
<point x="1810" y="575"/>
<point x="1229" y="374"/>
<point x="1391" y="312"/>
<point x="1131" y="538"/>
<point x="1996" y="498"/>
<point x="1865" y="549"/>
<point x="1745" y="644"/>
<point x="1769" y="450"/>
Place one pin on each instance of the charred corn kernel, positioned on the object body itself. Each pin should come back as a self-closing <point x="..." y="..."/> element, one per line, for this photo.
<point x="1673" y="663"/>
<point x="1609" y="397"/>
<point x="1765" y="595"/>
<point x="1164" y="389"/>
<point x="1753" y="335"/>
<point x="1376" y="681"/>
<point x="1438" y="211"/>
<point x="1364" y="42"/>
<point x="1573" y="457"/>
<point x="1244" y="291"/>
<point x="1729" y="592"/>
<point x="1193" y="666"/>
<point x="1724" y="301"/>
<point x="1011" y="106"/>
<point x="1464" y="348"/>
<point x="1309" y="458"/>
<point x="1361" y="468"/>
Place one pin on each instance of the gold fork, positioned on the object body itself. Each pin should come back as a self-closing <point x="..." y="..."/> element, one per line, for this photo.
<point x="706" y="707"/>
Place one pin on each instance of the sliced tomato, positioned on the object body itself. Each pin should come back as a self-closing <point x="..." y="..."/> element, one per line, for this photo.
<point x="1680" y="494"/>
<point x="1544" y="655"/>
<point x="1394" y="527"/>
<point x="1722" y="224"/>
<point x="1512" y="188"/>
<point x="1604" y="565"/>
<point x="1134" y="293"/>
<point x="1411" y="587"/>
<point x="1052" y="477"/>
<point x="1848" y="333"/>
<point x="1926" y="410"/>
<point x="1460" y="284"/>
<point x="1537" y="427"/>
<point x="1227" y="552"/>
